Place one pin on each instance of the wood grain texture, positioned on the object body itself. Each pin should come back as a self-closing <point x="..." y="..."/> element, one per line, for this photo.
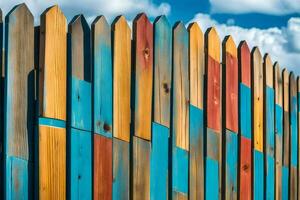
<point x="79" y="50"/>
<point x="180" y="104"/>
<point x="269" y="126"/>
<point x="141" y="168"/>
<point x="196" y="159"/>
<point x="121" y="78"/>
<point x="245" y="188"/>
<point x="162" y="71"/>
<point x="53" y="64"/>
<point x="102" y="167"/>
<point x="294" y="137"/>
<point x="230" y="82"/>
<point x="278" y="130"/>
<point x="19" y="84"/>
<point x="102" y="77"/>
<point x="286" y="118"/>
<point x="52" y="162"/>
<point x="258" y="99"/>
<point x="298" y="114"/>
<point x="143" y="44"/>
<point x="244" y="57"/>
<point x="213" y="71"/>
<point x="197" y="65"/>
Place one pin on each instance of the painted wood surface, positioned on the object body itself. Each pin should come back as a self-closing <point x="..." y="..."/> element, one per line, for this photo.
<point x="103" y="177"/>
<point x="141" y="168"/>
<point x="294" y="138"/>
<point x="286" y="135"/>
<point x="213" y="72"/>
<point x="162" y="71"/>
<point x="269" y="127"/>
<point x="258" y="124"/>
<point x="258" y="121"/>
<point x="1" y="98"/>
<point x="197" y="65"/>
<point x="278" y="130"/>
<point x="102" y="77"/>
<point x="121" y="169"/>
<point x="53" y="64"/>
<point x="143" y="80"/>
<point x="102" y="107"/>
<point x="121" y="77"/>
<point x="213" y="103"/>
<point x="245" y="121"/>
<point x="180" y="99"/>
<point x="79" y="160"/>
<point x="52" y="104"/>
<point x="298" y="115"/>
<point x="230" y="88"/>
<point x="80" y="174"/>
<point x="197" y="68"/>
<point x="18" y="102"/>
<point x="159" y="154"/>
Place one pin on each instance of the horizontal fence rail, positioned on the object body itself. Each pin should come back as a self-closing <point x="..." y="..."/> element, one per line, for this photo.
<point x="150" y="112"/>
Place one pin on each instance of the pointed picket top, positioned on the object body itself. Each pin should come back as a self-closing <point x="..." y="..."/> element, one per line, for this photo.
<point x="100" y="21"/>
<point x="278" y="85"/>
<point x="141" y="20"/>
<point x="244" y="57"/>
<point x="20" y="10"/>
<point x="79" y="47"/>
<point x="179" y="28"/>
<point x="268" y="68"/>
<point x="197" y="62"/>
<point x="162" y="70"/>
<point x="53" y="64"/>
<point x="213" y="44"/>
<point x="121" y="79"/>
<point x="230" y="46"/>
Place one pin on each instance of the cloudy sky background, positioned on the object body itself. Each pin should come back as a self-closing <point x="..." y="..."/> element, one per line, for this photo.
<point x="273" y="25"/>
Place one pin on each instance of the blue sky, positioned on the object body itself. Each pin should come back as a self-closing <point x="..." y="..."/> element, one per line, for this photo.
<point x="273" y="25"/>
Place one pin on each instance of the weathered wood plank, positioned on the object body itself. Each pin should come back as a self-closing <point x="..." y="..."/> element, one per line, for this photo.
<point x="53" y="64"/>
<point x="102" y="106"/>
<point x="19" y="101"/>
<point x="258" y="123"/>
<point x="80" y="175"/>
<point x="141" y="168"/>
<point x="230" y="82"/>
<point x="286" y="135"/>
<point x="121" y="78"/>
<point x="214" y="125"/>
<point x="121" y="170"/>
<point x="294" y="137"/>
<point x="269" y="127"/>
<point x="79" y="74"/>
<point x="197" y="65"/>
<point x="278" y="131"/>
<point x="197" y="68"/>
<point x="162" y="71"/>
<point x="52" y="104"/>
<point x="230" y="107"/>
<point x="180" y="110"/>
<point x="245" y="121"/>
<point x="52" y="159"/>
<point x="1" y="98"/>
<point x="159" y="154"/>
<point x="102" y="167"/>
<point x="298" y="115"/>
<point x="180" y="104"/>
<point x="102" y="77"/>
<point x="143" y="80"/>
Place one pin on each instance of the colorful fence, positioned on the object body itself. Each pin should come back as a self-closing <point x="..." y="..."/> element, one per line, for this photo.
<point x="153" y="113"/>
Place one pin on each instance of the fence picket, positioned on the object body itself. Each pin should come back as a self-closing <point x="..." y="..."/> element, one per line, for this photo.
<point x="52" y="104"/>
<point x="1" y="101"/>
<point x="102" y="108"/>
<point x="19" y="103"/>
<point x="298" y="132"/>
<point x="278" y="130"/>
<point x="245" y="120"/>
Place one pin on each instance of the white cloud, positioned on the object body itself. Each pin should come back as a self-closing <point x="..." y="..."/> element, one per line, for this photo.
<point x="281" y="43"/>
<point x="92" y="8"/>
<point x="275" y="7"/>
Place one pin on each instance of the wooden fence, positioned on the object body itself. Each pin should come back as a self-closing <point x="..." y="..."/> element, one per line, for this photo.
<point x="159" y="112"/>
